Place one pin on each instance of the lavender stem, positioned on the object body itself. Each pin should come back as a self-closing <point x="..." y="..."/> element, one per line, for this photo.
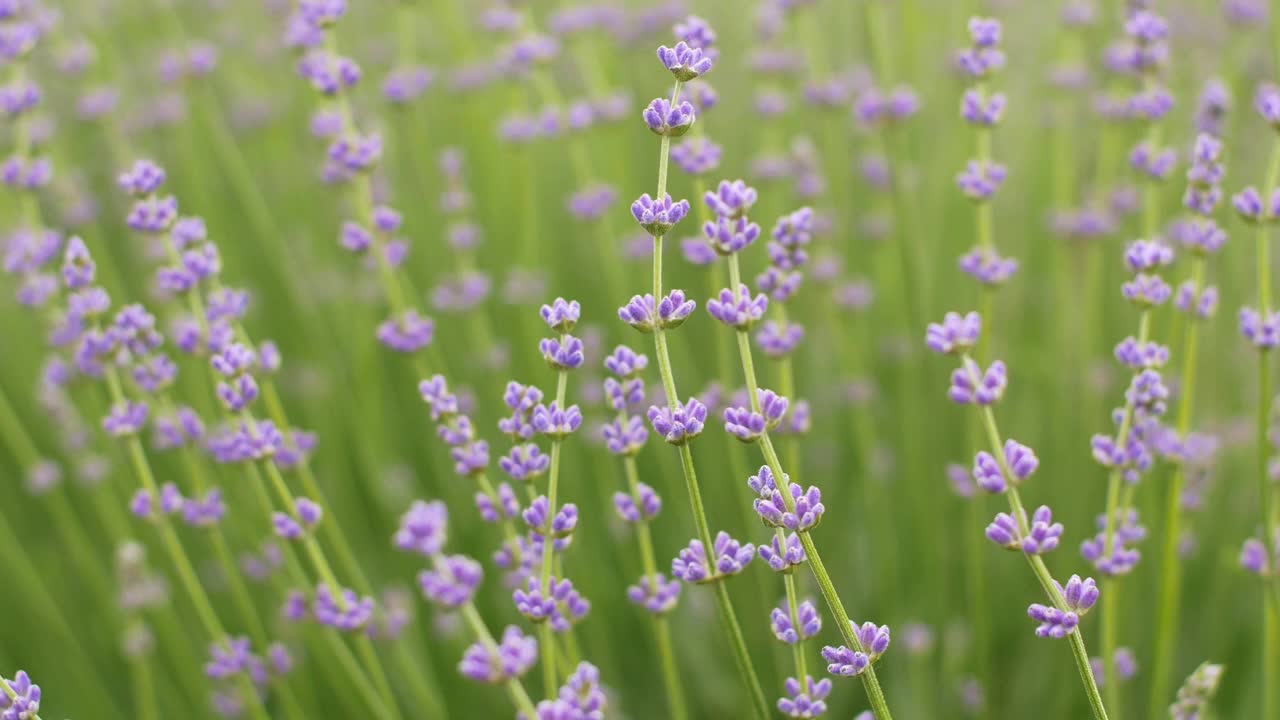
<point x="727" y="616"/>
<point x="1038" y="567"/>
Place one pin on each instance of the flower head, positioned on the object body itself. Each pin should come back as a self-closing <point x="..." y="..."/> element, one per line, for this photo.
<point x="685" y="62"/>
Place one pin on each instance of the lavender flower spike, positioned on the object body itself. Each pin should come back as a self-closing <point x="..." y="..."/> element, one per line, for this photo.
<point x="731" y="557"/>
<point x="658" y="216"/>
<point x="955" y="334"/>
<point x="668" y="120"/>
<point x="685" y="62"/>
<point x="850" y="663"/>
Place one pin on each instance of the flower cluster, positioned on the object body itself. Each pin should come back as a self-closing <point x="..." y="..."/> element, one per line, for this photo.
<point x="873" y="641"/>
<point x="1078" y="597"/>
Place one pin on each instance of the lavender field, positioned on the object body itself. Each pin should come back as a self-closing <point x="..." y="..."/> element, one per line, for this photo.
<point x="857" y="359"/>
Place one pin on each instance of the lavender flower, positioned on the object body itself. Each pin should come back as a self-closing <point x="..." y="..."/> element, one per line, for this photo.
<point x="668" y="120"/>
<point x="657" y="217"/>
<point x="453" y="582"/>
<point x="680" y="424"/>
<point x="685" y="62"/>
<point x="1079" y="596"/>
<point x="810" y="622"/>
<point x="805" y="701"/>
<point x="783" y="556"/>
<point x="740" y="311"/>
<point x="512" y="658"/>
<point x="731" y="557"/>
<point x="1019" y="458"/>
<point x="844" y="662"/>
<point x="655" y="594"/>
<point x="1042" y="535"/>
<point x="955" y="335"/>
<point x="641" y="507"/>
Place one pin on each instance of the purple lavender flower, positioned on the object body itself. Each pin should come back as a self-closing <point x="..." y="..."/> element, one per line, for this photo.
<point x="125" y="418"/>
<point x="525" y="462"/>
<point x="562" y="354"/>
<point x="591" y="203"/>
<point x="988" y="388"/>
<point x="560" y="604"/>
<point x="685" y="62"/>
<point x="987" y="267"/>
<point x="561" y="315"/>
<point x="539" y="518"/>
<point x="555" y="423"/>
<point x="982" y="110"/>
<point x="844" y="662"/>
<point x="981" y="179"/>
<point x="668" y="120"/>
<point x="985" y="57"/>
<point x="350" y="614"/>
<point x="771" y="505"/>
<point x="641" y="507"/>
<point x="727" y="235"/>
<point x="697" y="155"/>
<point x="1267" y="102"/>
<point x="680" y="424"/>
<point x="453" y="582"/>
<point x="1019" y="458"/>
<point x="204" y="512"/>
<point x="739" y="312"/>
<point x="423" y="528"/>
<point x="655" y="594"/>
<point x="1042" y="535"/>
<point x="810" y="622"/>
<point x="1079" y="596"/>
<point x="672" y="311"/>
<point x="955" y="335"/>
<point x="407" y="333"/>
<point x="657" y="217"/>
<point x="1137" y="356"/>
<point x="779" y="339"/>
<point x="625" y="437"/>
<point x="807" y="700"/>
<point x="784" y="555"/>
<point x="24" y="701"/>
<point x="513" y="657"/>
<point x="731" y="199"/>
<point x="1263" y="332"/>
<point x="731" y="557"/>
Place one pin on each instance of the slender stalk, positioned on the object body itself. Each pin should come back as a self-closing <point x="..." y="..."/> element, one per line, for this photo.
<point x="549" y="677"/>
<point x="662" y="633"/>
<point x="1038" y="566"/>
<point x="173" y="547"/>
<point x="727" y="616"/>
<point x="879" y="706"/>
<point x="1266" y="498"/>
<point x="144" y="694"/>
<point x="1170" y="589"/>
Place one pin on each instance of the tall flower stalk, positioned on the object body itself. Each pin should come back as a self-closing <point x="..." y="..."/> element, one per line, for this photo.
<point x="779" y="498"/>
<point x="1197" y="300"/>
<point x="639" y="505"/>
<point x="1000" y="472"/>
<point x="1261" y="328"/>
<point x="1128" y="454"/>
<point x="655" y="313"/>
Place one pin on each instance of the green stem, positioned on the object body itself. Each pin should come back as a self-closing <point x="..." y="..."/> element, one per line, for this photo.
<point x="144" y="695"/>
<point x="173" y="547"/>
<point x="1170" y="591"/>
<point x="727" y="616"/>
<point x="1038" y="567"/>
